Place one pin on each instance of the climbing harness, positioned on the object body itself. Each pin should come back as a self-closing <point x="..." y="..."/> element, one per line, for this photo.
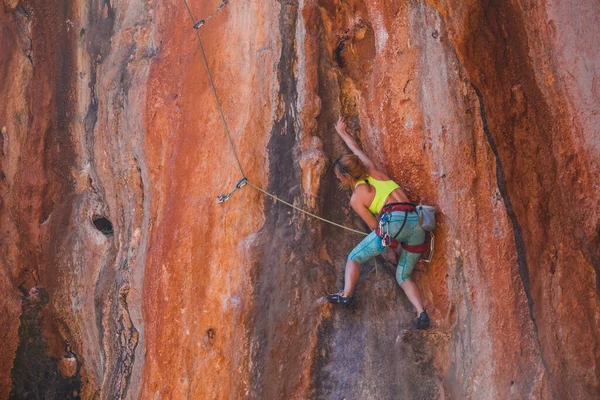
<point x="244" y="181"/>
<point x="383" y="228"/>
<point x="426" y="220"/>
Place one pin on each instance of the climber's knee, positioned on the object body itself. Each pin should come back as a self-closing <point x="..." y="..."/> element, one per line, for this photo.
<point x="368" y="248"/>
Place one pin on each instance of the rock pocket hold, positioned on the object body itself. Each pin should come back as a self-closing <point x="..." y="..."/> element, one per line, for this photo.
<point x="103" y="225"/>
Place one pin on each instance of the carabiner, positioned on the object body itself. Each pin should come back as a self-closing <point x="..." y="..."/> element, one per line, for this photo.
<point x="222" y="198"/>
<point x="385" y="218"/>
<point x="243" y="182"/>
<point x="386" y="240"/>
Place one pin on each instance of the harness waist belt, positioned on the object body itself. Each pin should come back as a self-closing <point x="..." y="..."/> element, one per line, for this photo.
<point x="407" y="207"/>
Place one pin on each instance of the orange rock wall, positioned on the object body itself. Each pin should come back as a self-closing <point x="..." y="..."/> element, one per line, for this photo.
<point x="487" y="109"/>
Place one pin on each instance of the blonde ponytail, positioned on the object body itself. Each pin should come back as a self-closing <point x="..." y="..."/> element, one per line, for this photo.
<point x="351" y="167"/>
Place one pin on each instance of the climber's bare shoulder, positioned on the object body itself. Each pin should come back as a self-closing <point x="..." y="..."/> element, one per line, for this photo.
<point x="379" y="175"/>
<point x="362" y="197"/>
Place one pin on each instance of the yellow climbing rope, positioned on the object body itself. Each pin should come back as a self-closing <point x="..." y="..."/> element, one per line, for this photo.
<point x="224" y="197"/>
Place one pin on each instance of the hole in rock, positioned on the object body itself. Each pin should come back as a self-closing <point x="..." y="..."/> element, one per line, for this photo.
<point x="103" y="225"/>
<point x="338" y="54"/>
<point x="512" y="383"/>
<point x="210" y="333"/>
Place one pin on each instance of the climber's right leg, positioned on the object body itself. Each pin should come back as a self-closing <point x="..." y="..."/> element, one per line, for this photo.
<point x="351" y="277"/>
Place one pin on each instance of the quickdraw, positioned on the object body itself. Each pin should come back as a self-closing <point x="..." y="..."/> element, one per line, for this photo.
<point x="383" y="230"/>
<point x="222" y="198"/>
<point x="201" y="23"/>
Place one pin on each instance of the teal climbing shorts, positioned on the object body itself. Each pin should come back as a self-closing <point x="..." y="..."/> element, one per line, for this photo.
<point x="412" y="234"/>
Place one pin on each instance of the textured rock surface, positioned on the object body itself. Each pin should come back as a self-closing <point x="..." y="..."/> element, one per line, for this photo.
<point x="487" y="109"/>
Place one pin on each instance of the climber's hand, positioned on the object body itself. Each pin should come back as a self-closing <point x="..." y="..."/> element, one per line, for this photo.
<point x="340" y="127"/>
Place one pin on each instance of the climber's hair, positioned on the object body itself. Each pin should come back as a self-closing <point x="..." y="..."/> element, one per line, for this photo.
<point x="351" y="167"/>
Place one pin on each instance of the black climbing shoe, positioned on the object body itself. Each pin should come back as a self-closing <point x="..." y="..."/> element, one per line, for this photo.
<point x="423" y="321"/>
<point x="339" y="299"/>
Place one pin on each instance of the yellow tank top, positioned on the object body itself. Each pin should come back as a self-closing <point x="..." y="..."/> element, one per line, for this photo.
<point x="382" y="191"/>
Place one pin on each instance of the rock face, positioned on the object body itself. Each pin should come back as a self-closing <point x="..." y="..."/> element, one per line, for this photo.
<point x="123" y="278"/>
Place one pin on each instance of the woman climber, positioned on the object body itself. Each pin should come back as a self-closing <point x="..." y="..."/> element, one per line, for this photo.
<point x="374" y="193"/>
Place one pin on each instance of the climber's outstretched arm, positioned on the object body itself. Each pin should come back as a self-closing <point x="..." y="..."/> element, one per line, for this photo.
<point x="340" y="128"/>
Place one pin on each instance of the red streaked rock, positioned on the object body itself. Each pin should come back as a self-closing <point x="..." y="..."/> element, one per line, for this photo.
<point x="487" y="110"/>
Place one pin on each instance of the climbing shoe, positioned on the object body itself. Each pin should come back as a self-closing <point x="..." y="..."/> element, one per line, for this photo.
<point x="339" y="299"/>
<point x="423" y="321"/>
